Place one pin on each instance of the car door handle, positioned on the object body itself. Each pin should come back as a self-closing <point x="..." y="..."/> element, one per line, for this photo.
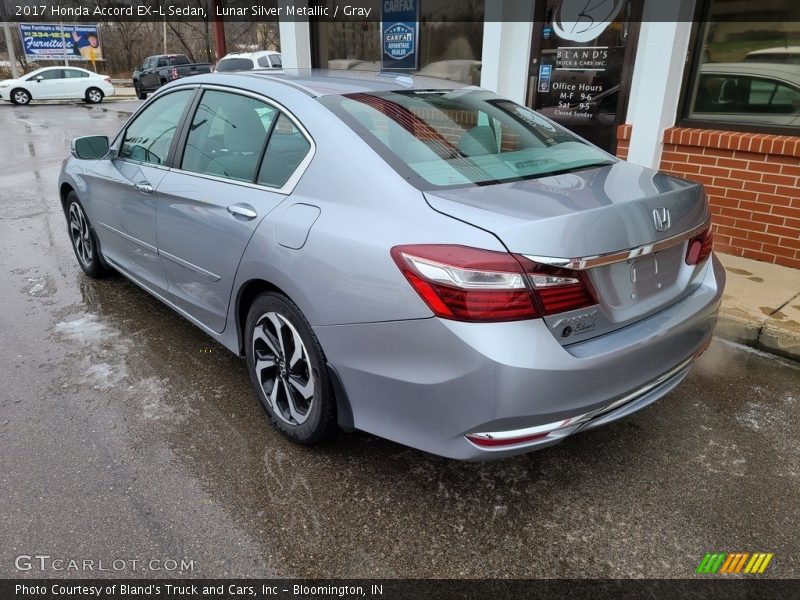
<point x="144" y="187"/>
<point x="243" y="210"/>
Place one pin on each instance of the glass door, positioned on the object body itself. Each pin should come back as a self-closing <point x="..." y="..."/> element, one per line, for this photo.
<point x="581" y="62"/>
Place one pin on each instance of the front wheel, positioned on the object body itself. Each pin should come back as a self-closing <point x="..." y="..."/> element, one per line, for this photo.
<point x="288" y="372"/>
<point x="94" y="96"/>
<point x="20" y="96"/>
<point x="84" y="242"/>
<point x="140" y="93"/>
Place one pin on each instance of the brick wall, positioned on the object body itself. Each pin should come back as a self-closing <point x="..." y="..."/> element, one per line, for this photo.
<point x="752" y="185"/>
<point x="623" y="140"/>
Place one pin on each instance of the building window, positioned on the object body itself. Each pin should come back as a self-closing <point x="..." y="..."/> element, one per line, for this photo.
<point x="449" y="45"/>
<point x="746" y="71"/>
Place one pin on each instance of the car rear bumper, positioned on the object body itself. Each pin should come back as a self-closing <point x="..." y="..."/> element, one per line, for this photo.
<point x="428" y="383"/>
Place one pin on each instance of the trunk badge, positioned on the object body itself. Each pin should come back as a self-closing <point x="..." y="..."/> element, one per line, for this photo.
<point x="661" y="219"/>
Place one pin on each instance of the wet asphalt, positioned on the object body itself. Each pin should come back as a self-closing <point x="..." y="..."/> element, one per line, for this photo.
<point x="126" y="433"/>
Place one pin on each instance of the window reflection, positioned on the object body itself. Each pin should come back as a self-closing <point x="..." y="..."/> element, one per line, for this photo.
<point x="749" y="69"/>
<point x="449" y="45"/>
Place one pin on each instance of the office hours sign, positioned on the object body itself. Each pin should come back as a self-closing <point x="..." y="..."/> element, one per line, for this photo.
<point x="583" y="53"/>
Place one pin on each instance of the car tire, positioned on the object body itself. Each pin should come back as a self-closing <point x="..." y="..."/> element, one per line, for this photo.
<point x="288" y="370"/>
<point x="94" y="96"/>
<point x="84" y="242"/>
<point x="140" y="93"/>
<point x="20" y="96"/>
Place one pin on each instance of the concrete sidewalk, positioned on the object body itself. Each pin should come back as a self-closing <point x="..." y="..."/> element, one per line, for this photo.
<point x="761" y="306"/>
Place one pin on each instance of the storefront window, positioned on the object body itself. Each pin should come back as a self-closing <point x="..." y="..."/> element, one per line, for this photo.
<point x="449" y="47"/>
<point x="747" y="65"/>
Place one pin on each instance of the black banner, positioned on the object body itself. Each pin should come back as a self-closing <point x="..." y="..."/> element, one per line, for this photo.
<point x="572" y="13"/>
<point x="396" y="589"/>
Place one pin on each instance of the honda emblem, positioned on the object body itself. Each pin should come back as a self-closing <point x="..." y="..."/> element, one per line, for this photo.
<point x="661" y="219"/>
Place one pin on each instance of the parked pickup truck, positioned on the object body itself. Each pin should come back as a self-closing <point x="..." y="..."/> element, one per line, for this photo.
<point x="160" y="69"/>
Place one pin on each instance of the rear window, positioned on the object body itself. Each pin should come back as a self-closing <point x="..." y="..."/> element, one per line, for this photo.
<point x="180" y="59"/>
<point x="455" y="138"/>
<point x="234" y="64"/>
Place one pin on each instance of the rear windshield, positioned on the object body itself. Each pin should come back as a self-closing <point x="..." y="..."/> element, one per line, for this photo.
<point x="234" y="64"/>
<point x="180" y="59"/>
<point x="453" y="138"/>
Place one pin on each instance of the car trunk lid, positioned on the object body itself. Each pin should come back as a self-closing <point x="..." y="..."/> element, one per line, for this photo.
<point x="637" y="221"/>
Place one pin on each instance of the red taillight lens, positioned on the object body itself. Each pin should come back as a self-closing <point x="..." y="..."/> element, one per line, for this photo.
<point x="108" y="79"/>
<point x="468" y="284"/>
<point x="174" y="72"/>
<point x="558" y="290"/>
<point x="700" y="247"/>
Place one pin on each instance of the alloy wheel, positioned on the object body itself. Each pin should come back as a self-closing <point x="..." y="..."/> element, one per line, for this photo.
<point x="80" y="234"/>
<point x="21" y="97"/>
<point x="283" y="368"/>
<point x="95" y="96"/>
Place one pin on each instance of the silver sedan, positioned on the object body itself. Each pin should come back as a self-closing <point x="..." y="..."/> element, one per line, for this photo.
<point x="406" y="256"/>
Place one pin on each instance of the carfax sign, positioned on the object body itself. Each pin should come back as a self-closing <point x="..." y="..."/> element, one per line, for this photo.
<point x="399" y="33"/>
<point x="52" y="41"/>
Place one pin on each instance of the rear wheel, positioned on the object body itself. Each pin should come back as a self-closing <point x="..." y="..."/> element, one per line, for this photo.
<point x="94" y="96"/>
<point x="84" y="242"/>
<point x="288" y="372"/>
<point x="20" y="96"/>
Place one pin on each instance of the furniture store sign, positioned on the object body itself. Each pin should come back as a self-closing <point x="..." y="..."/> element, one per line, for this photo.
<point x="399" y="34"/>
<point x="54" y="41"/>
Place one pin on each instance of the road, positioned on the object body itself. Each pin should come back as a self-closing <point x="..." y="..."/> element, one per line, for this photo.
<point x="126" y="433"/>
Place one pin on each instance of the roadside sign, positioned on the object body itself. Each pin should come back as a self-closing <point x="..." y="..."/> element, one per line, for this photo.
<point x="54" y="41"/>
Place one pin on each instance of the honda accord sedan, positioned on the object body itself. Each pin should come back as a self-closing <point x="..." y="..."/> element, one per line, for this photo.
<point x="424" y="261"/>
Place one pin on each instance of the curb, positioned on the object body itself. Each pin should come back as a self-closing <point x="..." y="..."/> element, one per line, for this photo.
<point x="778" y="334"/>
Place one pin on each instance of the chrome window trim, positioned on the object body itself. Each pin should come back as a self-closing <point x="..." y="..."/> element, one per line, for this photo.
<point x="288" y="187"/>
<point x="116" y="144"/>
<point x="589" y="262"/>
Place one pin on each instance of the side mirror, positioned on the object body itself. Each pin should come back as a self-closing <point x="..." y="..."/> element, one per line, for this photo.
<point x="91" y="147"/>
<point x="39" y="78"/>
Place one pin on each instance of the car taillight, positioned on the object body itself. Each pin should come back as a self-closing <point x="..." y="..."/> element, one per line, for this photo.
<point x="700" y="247"/>
<point x="174" y="72"/>
<point x="108" y="79"/>
<point x="469" y="284"/>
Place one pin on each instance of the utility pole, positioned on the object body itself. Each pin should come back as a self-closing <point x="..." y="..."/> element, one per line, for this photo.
<point x="164" y="36"/>
<point x="63" y="44"/>
<point x="12" y="58"/>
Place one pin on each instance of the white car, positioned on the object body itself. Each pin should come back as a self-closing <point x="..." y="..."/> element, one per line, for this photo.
<point x="57" y="83"/>
<point x="782" y="54"/>
<point x="247" y="61"/>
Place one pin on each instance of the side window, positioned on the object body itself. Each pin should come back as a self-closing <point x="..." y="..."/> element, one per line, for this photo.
<point x="227" y="136"/>
<point x="162" y="62"/>
<point x="786" y="100"/>
<point x="263" y="61"/>
<point x="276" y="61"/>
<point x="51" y="74"/>
<point x="149" y="137"/>
<point x="286" y="149"/>
<point x="74" y="74"/>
